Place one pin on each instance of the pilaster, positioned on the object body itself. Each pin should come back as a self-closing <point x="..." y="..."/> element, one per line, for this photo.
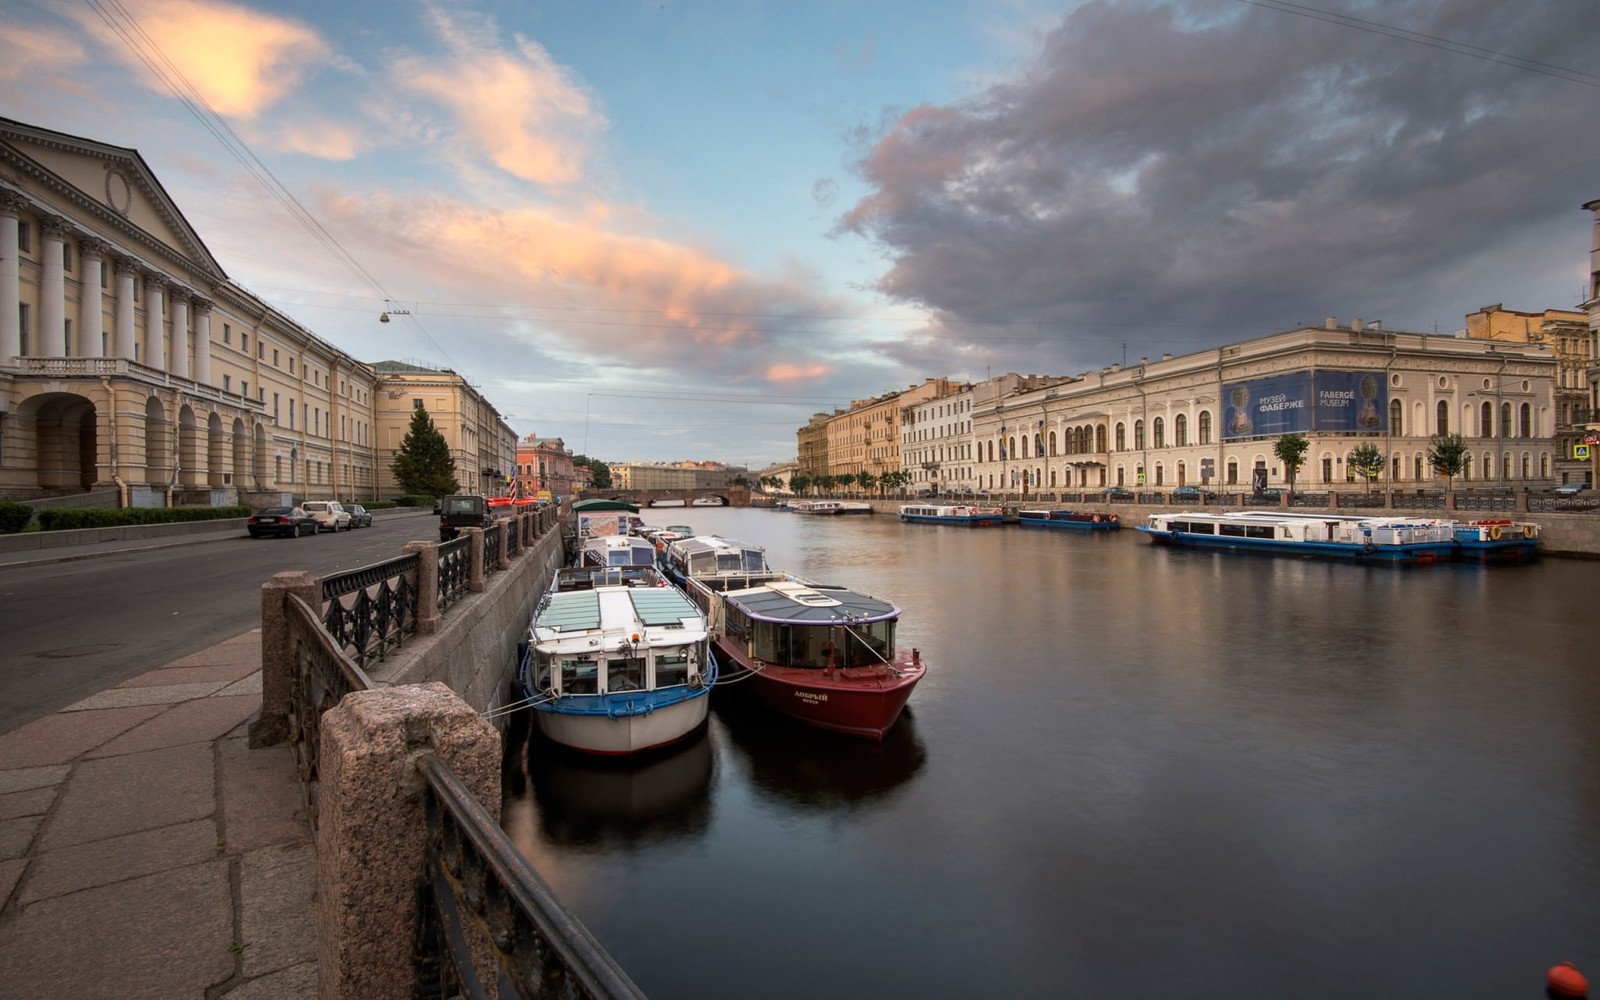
<point x="52" y="289"/>
<point x="10" y="279"/>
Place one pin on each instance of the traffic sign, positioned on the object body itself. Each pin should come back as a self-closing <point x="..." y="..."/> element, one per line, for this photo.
<point x="1580" y="451"/>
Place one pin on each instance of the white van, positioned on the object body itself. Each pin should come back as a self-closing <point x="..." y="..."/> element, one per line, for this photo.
<point x="330" y="515"/>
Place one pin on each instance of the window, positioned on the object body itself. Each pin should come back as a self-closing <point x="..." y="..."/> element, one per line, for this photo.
<point x="1158" y="433"/>
<point x="1442" y="416"/>
<point x="66" y="256"/>
<point x="1396" y="423"/>
<point x="291" y="414"/>
<point x="1180" y="430"/>
<point x="227" y="333"/>
<point x="1122" y="440"/>
<point x="1138" y="435"/>
<point x="416" y="404"/>
<point x="274" y="357"/>
<point x="244" y="389"/>
<point x="24" y="237"/>
<point x="274" y="406"/>
<point x="24" y="314"/>
<point x="291" y="366"/>
<point x="227" y="383"/>
<point x="244" y="342"/>
<point x="1526" y="428"/>
<point x="261" y="349"/>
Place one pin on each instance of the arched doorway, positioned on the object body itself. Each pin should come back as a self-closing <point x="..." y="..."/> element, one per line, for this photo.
<point x="191" y="463"/>
<point x="216" y="453"/>
<point x="64" y="428"/>
<point x="158" y="444"/>
<point x="241" y="456"/>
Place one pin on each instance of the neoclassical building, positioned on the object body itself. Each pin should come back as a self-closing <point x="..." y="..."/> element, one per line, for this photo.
<point x="130" y="362"/>
<point x="1213" y="417"/>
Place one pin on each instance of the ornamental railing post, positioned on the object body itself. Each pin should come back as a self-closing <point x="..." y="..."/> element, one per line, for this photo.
<point x="475" y="573"/>
<point x="271" y="727"/>
<point x="427" y="585"/>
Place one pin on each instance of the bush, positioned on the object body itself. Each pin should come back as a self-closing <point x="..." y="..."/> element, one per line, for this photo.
<point x="14" y="517"/>
<point x="99" y="517"/>
<point x="414" y="500"/>
<point x="380" y="504"/>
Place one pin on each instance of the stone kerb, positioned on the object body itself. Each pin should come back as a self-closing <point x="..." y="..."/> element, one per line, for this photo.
<point x="372" y="830"/>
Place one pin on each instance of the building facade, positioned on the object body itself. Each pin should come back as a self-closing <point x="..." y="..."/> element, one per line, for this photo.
<point x="1567" y="333"/>
<point x="544" y="464"/>
<point x="482" y="445"/>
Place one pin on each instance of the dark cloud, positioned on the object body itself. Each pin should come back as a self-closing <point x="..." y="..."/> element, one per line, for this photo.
<point x="1177" y="175"/>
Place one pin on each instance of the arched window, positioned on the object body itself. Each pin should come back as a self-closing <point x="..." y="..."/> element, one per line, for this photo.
<point x="1233" y="472"/>
<point x="1205" y="426"/>
<point x="1100" y="438"/>
<point x="1138" y="435"/>
<point x="1418" y="464"/>
<point x="1527" y="465"/>
<point x="1507" y="464"/>
<point x="1183" y="471"/>
<point x="1052" y="447"/>
<point x="1505" y="420"/>
<point x="1180" y="432"/>
<point x="1394" y="469"/>
<point x="1122" y="441"/>
<point x="1488" y="466"/>
<point x="1442" y="418"/>
<point x="1159" y="471"/>
<point x="1038" y="446"/>
<point x="1486" y="420"/>
<point x="1525" y="428"/>
<point x="1158" y="434"/>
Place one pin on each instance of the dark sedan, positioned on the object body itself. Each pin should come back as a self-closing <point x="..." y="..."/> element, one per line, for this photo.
<point x="281" y="521"/>
<point x="1192" y="494"/>
<point x="360" y="517"/>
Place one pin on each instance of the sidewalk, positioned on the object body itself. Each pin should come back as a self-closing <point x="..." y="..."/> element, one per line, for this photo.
<point x="147" y="851"/>
<point x="12" y="558"/>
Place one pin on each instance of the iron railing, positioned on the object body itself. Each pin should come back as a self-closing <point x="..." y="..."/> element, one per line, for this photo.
<point x="455" y="571"/>
<point x="472" y="872"/>
<point x="369" y="611"/>
<point x="321" y="675"/>
<point x="493" y="537"/>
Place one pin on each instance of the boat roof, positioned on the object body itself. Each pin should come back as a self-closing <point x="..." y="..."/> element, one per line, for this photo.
<point x="1281" y="517"/>
<point x="620" y="608"/>
<point x="598" y="503"/>
<point x="801" y="602"/>
<point x="700" y="544"/>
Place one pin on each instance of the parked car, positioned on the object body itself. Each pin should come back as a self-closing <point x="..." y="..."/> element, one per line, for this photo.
<point x="1269" y="495"/>
<point x="1570" y="489"/>
<point x="463" y="510"/>
<point x="1192" y="494"/>
<point x="360" y="517"/>
<point x="1113" y="493"/>
<point x="330" y="515"/>
<point x="281" y="521"/>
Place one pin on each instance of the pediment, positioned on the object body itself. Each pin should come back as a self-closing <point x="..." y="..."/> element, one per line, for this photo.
<point x="107" y="186"/>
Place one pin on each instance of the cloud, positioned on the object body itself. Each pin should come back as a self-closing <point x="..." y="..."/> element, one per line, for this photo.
<point x="1196" y="172"/>
<point x="525" y="111"/>
<point x="27" y="52"/>
<point x="240" y="60"/>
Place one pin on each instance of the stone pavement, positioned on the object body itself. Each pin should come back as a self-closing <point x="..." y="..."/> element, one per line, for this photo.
<point x="147" y="851"/>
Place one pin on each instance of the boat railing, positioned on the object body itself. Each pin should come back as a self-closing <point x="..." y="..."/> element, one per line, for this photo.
<point x="590" y="577"/>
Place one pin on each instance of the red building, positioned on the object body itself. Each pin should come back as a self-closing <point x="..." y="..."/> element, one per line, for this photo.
<point x="544" y="464"/>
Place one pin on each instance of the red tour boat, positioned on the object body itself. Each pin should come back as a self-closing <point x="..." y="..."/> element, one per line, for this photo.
<point x="821" y="654"/>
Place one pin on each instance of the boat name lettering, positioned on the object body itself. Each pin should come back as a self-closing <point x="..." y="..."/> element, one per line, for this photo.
<point x="811" y="696"/>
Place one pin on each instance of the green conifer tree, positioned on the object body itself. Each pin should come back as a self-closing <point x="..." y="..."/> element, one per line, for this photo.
<point x="423" y="465"/>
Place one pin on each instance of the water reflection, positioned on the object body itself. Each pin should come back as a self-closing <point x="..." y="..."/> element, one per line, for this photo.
<point x="798" y="765"/>
<point x="602" y="803"/>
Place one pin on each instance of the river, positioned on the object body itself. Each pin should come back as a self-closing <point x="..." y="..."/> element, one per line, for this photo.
<point x="1129" y="772"/>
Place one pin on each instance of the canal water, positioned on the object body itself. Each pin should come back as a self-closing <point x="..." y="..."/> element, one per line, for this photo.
<point x="1129" y="772"/>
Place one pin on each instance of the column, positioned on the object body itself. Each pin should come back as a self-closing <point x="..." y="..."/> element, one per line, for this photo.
<point x="52" y="341"/>
<point x="91" y="317"/>
<point x="202" y="340"/>
<point x="126" y="334"/>
<point x="155" y="315"/>
<point x="178" y="362"/>
<point x="10" y="280"/>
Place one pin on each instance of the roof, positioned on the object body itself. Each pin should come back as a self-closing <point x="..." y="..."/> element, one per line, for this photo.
<point x="600" y="504"/>
<point x="802" y="603"/>
<point x="587" y="610"/>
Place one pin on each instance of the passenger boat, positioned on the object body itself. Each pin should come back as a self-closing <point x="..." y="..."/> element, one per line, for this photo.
<point x="1497" y="540"/>
<point x="1071" y="520"/>
<point x="821" y="654"/>
<point x="833" y="508"/>
<point x="933" y="513"/>
<point x="708" y="502"/>
<point x="618" y="661"/>
<point x="616" y="550"/>
<point x="712" y="557"/>
<point x="666" y="502"/>
<point x="1400" y="539"/>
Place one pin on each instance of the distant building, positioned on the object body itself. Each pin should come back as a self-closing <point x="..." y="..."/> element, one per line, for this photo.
<point x="1567" y="333"/>
<point x="483" y="445"/>
<point x="545" y="464"/>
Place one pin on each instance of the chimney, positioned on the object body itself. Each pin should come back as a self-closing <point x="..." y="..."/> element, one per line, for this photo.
<point x="1355" y="324"/>
<point x="1166" y="356"/>
<point x="1331" y="323"/>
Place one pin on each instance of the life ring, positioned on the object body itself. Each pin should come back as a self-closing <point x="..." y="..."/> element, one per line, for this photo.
<point x="1527" y="531"/>
<point x="1113" y="518"/>
<point x="1494" y="532"/>
<point x="1097" y="519"/>
<point x="1368" y="546"/>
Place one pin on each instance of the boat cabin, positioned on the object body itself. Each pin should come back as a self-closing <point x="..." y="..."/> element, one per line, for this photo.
<point x="795" y="623"/>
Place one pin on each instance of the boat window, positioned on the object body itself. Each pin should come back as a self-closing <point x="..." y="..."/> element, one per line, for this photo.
<point x="754" y="561"/>
<point x="672" y="667"/>
<point x="868" y="645"/>
<point x="1258" y="531"/>
<point x="728" y="562"/>
<point x="541" y="671"/>
<point x="769" y="642"/>
<point x="579" y="677"/>
<point x="625" y="674"/>
<point x="1232" y="530"/>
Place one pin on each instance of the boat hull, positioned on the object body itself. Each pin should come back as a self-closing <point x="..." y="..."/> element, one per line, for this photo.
<point x="1420" y="553"/>
<point x="1076" y="522"/>
<point x="593" y="729"/>
<point x="864" y="702"/>
<point x="960" y="520"/>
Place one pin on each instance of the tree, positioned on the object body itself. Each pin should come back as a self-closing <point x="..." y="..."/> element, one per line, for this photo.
<point x="1447" y="453"/>
<point x="1291" y="451"/>
<point x="423" y="465"/>
<point x="1365" y="461"/>
<point x="599" y="472"/>
<point x="798" y="483"/>
<point x="866" y="481"/>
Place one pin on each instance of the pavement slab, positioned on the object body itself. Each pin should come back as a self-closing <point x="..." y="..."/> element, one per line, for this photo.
<point x="225" y="672"/>
<point x="261" y="799"/>
<point x="138" y="791"/>
<point x="34" y="802"/>
<point x="240" y="650"/>
<point x="85" y="866"/>
<point x="202" y="720"/>
<point x="17" y="835"/>
<point x="296" y="983"/>
<point x="162" y="937"/>
<point x="22" y="779"/>
<point x="10" y="873"/>
<point x="167" y="694"/>
<point x="62" y="738"/>
<point x="277" y="913"/>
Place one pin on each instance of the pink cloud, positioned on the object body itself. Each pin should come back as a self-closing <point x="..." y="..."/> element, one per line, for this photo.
<point x="27" y="52"/>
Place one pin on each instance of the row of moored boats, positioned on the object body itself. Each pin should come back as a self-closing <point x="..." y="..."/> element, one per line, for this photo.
<point x="626" y="646"/>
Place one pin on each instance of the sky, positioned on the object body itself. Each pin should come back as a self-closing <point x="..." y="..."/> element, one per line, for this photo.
<point x="675" y="230"/>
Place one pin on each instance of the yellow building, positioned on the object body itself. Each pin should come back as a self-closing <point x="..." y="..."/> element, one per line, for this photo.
<point x="1566" y="332"/>
<point x="483" y="446"/>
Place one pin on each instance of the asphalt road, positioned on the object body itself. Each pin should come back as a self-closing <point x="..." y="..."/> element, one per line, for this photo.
<point x="72" y="629"/>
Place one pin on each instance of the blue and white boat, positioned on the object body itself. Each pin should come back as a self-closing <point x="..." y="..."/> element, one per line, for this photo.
<point x="712" y="557"/>
<point x="1400" y="539"/>
<point x="1497" y="540"/>
<point x="959" y="514"/>
<point x="618" y="662"/>
<point x="1069" y="520"/>
<point x="617" y="550"/>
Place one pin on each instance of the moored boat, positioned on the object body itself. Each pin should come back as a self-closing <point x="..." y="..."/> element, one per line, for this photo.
<point x="712" y="557"/>
<point x="1497" y="540"/>
<point x="617" y="550"/>
<point x="961" y="514"/>
<point x="1071" y="520"/>
<point x="708" y="502"/>
<point x="833" y="508"/>
<point x="618" y="661"/>
<point x="1396" y="539"/>
<point x="667" y="502"/>
<point x="821" y="654"/>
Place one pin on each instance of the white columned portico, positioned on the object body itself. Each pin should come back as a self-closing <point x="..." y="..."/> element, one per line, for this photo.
<point x="155" y="316"/>
<point x="127" y="335"/>
<point x="179" y="360"/>
<point x="91" y="316"/>
<point x="10" y="280"/>
<point x="52" y="341"/>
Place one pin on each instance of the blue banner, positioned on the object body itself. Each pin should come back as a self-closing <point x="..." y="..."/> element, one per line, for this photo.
<point x="1331" y="402"/>
<point x="1351" y="402"/>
